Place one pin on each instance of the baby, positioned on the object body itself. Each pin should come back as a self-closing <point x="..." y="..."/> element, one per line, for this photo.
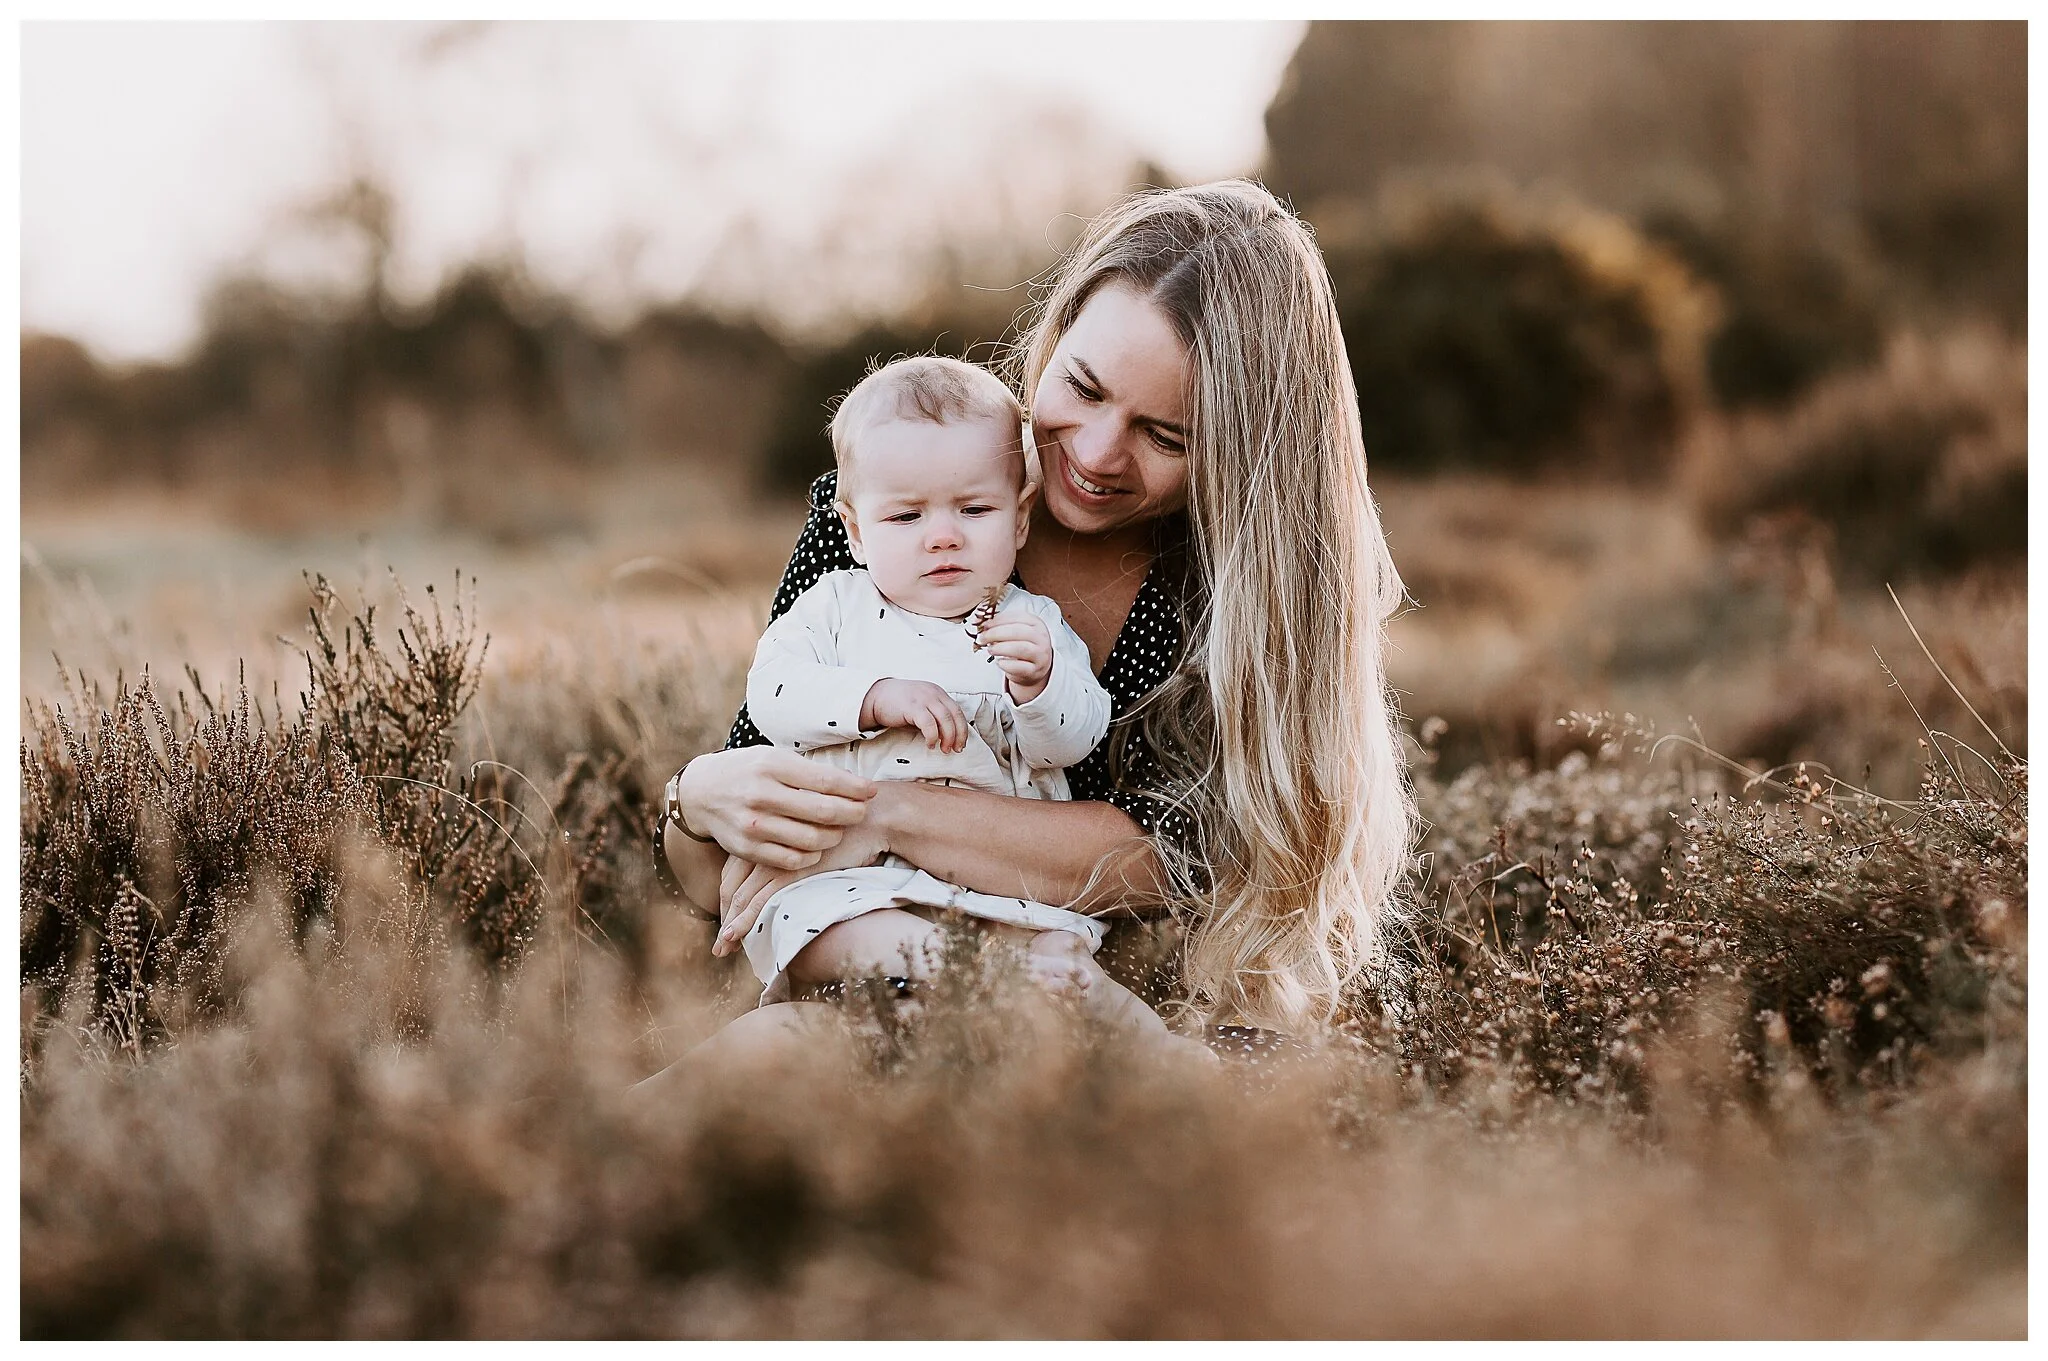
<point x="930" y="664"/>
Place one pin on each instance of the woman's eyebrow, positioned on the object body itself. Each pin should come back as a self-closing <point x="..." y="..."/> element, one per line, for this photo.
<point x="1168" y="426"/>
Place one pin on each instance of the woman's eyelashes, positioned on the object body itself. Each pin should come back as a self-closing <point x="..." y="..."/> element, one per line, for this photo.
<point x="1165" y="442"/>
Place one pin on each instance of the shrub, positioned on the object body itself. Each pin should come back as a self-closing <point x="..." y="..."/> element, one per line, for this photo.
<point x="1855" y="938"/>
<point x="1487" y="331"/>
<point x="1917" y="467"/>
<point x="150" y="829"/>
<point x="1790" y="313"/>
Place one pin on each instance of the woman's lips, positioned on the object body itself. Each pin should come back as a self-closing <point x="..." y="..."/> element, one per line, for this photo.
<point x="1086" y="486"/>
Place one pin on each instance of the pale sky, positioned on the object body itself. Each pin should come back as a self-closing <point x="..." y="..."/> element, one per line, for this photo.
<point x="626" y="162"/>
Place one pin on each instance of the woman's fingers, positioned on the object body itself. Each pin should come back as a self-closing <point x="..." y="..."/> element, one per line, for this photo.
<point x="824" y="810"/>
<point x="752" y="895"/>
<point x="805" y="838"/>
<point x="730" y="877"/>
<point x="794" y="772"/>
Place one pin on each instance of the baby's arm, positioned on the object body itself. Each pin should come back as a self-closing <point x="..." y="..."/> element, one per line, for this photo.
<point x="1068" y="718"/>
<point x="797" y="693"/>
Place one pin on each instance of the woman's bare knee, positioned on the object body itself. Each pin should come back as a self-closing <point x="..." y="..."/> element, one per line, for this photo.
<point x="786" y="1037"/>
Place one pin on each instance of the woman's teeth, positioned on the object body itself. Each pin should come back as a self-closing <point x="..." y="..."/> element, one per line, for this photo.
<point x="1091" y="488"/>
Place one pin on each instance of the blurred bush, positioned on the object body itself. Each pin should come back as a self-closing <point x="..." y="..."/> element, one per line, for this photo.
<point x="410" y="402"/>
<point x="1494" y="331"/>
<point x="1916" y="466"/>
<point x="1792" y="311"/>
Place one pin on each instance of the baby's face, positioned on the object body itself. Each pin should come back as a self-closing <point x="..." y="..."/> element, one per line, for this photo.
<point x="937" y="513"/>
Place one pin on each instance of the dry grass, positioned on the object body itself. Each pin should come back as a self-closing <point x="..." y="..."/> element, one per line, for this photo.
<point x="1658" y="1069"/>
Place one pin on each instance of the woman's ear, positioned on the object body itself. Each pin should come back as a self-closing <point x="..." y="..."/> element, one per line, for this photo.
<point x="852" y="523"/>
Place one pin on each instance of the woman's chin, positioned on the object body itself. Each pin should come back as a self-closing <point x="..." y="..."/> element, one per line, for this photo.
<point x="1089" y="515"/>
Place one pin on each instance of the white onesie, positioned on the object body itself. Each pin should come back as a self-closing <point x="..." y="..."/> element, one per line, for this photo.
<point x="812" y="670"/>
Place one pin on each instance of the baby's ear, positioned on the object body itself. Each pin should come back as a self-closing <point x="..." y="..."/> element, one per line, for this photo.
<point x="1024" y="503"/>
<point x="852" y="523"/>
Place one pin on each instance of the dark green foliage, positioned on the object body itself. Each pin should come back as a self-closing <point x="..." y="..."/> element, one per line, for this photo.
<point x="1917" y="467"/>
<point x="1484" y="335"/>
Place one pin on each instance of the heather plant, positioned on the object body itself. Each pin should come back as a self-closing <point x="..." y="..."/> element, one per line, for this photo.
<point x="150" y="828"/>
<point x="392" y="718"/>
<point x="144" y="834"/>
<point x="1746" y="1049"/>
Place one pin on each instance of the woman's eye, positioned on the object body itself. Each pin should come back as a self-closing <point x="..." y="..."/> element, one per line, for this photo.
<point x="1081" y="389"/>
<point x="1167" y="443"/>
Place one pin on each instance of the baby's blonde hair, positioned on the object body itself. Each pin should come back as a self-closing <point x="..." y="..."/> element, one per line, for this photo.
<point x="924" y="387"/>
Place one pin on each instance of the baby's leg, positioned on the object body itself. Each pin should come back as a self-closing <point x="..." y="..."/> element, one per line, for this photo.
<point x="885" y="941"/>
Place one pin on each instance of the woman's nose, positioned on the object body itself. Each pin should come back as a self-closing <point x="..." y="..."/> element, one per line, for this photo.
<point x="1099" y="445"/>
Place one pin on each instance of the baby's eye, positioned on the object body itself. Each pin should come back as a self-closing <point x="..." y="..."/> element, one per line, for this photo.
<point x="901" y="517"/>
<point x="977" y="510"/>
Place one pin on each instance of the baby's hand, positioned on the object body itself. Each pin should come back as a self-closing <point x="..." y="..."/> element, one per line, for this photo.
<point x="916" y="704"/>
<point x="1022" y="647"/>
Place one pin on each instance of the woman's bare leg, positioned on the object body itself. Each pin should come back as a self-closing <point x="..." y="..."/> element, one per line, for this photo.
<point x="1062" y="961"/>
<point x="786" y="1037"/>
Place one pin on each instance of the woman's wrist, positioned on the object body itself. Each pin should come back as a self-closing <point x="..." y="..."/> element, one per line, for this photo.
<point x="884" y="820"/>
<point x="677" y="805"/>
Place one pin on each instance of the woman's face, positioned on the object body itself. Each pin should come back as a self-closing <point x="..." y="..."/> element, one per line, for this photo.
<point x="1111" y="416"/>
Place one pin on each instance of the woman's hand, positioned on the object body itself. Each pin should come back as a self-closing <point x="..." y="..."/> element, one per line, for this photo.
<point x="1022" y="647"/>
<point x="744" y="888"/>
<point x="768" y="806"/>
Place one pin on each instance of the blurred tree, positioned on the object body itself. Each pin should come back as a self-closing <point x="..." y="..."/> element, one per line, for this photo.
<point x="1782" y="148"/>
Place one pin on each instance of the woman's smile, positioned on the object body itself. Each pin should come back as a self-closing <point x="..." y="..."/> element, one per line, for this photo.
<point x="1110" y="416"/>
<point x="1084" y="485"/>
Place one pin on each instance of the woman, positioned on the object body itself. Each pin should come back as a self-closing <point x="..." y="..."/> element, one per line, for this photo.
<point x="1206" y="527"/>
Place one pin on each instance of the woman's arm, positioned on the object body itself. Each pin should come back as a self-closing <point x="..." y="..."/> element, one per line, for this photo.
<point x="993" y="843"/>
<point x="1041" y="849"/>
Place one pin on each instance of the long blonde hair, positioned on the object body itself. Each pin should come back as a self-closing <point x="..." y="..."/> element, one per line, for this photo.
<point x="1276" y="727"/>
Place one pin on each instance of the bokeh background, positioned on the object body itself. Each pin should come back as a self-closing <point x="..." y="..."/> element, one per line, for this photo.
<point x="1676" y="343"/>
